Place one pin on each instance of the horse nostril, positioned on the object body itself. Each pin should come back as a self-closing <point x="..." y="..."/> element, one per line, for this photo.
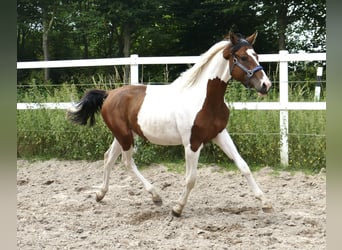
<point x="263" y="89"/>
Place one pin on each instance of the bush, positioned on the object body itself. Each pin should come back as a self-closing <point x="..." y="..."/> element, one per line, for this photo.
<point x="307" y="139"/>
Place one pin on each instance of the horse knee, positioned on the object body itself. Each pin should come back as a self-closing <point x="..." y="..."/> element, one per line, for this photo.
<point x="191" y="180"/>
<point x="246" y="171"/>
<point x="242" y="165"/>
<point x="190" y="184"/>
<point x="105" y="155"/>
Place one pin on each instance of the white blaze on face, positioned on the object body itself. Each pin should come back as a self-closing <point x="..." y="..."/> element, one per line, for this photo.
<point x="264" y="79"/>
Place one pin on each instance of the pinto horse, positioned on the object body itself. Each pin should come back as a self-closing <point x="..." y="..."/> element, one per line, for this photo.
<point x="190" y="111"/>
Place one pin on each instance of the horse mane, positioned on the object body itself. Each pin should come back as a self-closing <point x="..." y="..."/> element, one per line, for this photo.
<point x="188" y="78"/>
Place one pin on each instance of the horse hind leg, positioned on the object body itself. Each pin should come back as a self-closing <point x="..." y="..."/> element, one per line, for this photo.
<point x="148" y="186"/>
<point x="224" y="141"/>
<point x="109" y="159"/>
<point x="191" y="161"/>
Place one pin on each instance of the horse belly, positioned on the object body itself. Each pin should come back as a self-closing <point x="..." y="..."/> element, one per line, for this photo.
<point x="159" y="126"/>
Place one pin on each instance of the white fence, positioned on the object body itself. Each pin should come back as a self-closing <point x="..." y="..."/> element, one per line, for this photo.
<point x="134" y="61"/>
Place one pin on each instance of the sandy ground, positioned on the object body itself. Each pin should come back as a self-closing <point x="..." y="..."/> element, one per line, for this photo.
<point x="56" y="209"/>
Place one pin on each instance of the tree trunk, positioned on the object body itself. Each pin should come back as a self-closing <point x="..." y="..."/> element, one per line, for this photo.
<point x="86" y="47"/>
<point x="126" y="42"/>
<point x="21" y="40"/>
<point x="126" y="36"/>
<point x="111" y="43"/>
<point x="46" y="28"/>
<point x="282" y="23"/>
<point x="46" y="54"/>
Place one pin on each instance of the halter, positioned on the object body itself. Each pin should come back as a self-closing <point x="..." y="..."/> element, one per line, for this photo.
<point x="249" y="72"/>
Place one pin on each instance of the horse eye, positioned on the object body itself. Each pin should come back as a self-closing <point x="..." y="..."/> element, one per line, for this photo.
<point x="244" y="58"/>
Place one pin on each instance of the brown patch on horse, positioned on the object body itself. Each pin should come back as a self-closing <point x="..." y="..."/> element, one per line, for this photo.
<point x="120" y="113"/>
<point x="213" y="117"/>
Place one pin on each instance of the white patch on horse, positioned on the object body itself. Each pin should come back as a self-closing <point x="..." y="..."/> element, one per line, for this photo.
<point x="264" y="78"/>
<point x="157" y="115"/>
<point x="252" y="53"/>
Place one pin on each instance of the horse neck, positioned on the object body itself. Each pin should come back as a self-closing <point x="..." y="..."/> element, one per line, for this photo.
<point x="216" y="67"/>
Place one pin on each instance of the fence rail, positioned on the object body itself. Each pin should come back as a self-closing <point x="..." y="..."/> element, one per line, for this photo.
<point x="234" y="105"/>
<point x="283" y="58"/>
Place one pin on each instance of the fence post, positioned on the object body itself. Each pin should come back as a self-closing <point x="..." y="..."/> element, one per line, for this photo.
<point x="284" y="115"/>
<point x="134" y="69"/>
<point x="318" y="84"/>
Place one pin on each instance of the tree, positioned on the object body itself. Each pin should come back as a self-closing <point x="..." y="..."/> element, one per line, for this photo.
<point x="70" y="29"/>
<point x="41" y="16"/>
<point x="298" y="24"/>
<point x="47" y="17"/>
<point x="27" y="30"/>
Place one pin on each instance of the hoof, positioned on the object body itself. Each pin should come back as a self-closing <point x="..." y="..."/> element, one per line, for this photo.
<point x="268" y="209"/>
<point x="99" y="197"/>
<point x="175" y="214"/>
<point x="158" y="202"/>
<point x="177" y="210"/>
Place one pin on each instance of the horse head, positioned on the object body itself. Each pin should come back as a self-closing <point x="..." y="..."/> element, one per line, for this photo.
<point x="243" y="63"/>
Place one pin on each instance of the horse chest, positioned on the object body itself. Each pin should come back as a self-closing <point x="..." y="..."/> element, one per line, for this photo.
<point x="213" y="116"/>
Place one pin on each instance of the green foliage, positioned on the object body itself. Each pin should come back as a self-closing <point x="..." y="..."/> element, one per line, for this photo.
<point x="102" y="29"/>
<point x="48" y="134"/>
<point x="307" y="139"/>
<point x="256" y="134"/>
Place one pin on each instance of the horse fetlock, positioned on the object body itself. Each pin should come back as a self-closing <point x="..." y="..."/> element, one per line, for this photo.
<point x="260" y="196"/>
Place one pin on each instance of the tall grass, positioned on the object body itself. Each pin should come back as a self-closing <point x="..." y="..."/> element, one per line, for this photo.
<point x="47" y="134"/>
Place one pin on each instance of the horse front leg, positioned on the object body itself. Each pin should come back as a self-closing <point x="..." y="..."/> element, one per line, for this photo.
<point x="109" y="159"/>
<point x="224" y="141"/>
<point x="191" y="161"/>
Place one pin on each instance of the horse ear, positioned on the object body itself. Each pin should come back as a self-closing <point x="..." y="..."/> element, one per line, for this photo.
<point x="233" y="38"/>
<point x="251" y="39"/>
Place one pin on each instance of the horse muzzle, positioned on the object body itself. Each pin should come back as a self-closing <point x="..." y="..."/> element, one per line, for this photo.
<point x="264" y="88"/>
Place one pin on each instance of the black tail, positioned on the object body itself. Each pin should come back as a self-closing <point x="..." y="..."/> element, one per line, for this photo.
<point x="90" y="104"/>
